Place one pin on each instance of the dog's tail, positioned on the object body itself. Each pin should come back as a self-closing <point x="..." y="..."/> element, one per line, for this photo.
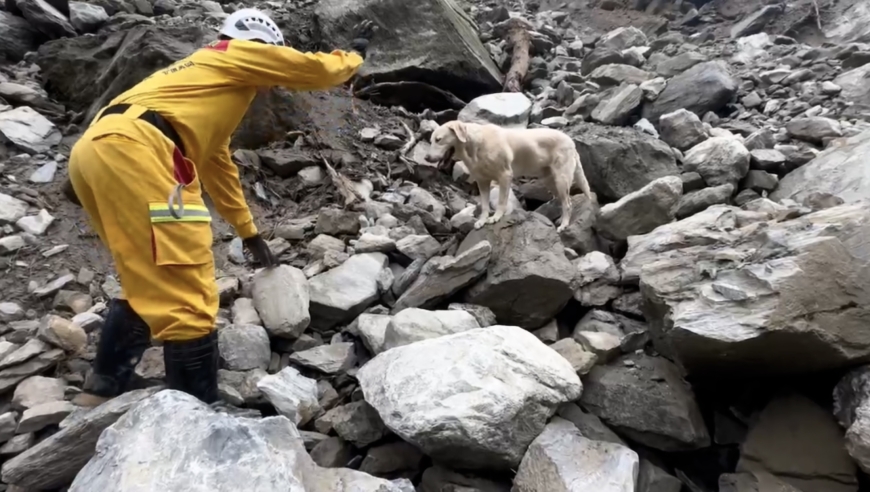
<point x="580" y="178"/>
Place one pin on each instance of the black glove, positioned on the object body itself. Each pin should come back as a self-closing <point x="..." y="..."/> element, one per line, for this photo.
<point x="258" y="248"/>
<point x="362" y="34"/>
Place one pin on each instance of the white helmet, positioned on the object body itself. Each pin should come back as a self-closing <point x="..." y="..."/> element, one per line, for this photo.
<point x="251" y="24"/>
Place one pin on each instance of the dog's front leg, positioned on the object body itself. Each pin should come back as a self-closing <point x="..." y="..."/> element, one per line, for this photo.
<point x="504" y="191"/>
<point x="483" y="186"/>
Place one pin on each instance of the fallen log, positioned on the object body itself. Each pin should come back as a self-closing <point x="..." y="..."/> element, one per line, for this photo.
<point x="519" y="42"/>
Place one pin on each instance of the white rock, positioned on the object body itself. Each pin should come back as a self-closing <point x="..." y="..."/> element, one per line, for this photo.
<point x="11" y="209"/>
<point x="45" y="173"/>
<point x="719" y="160"/>
<point x="86" y="17"/>
<point x="11" y="244"/>
<point x="29" y="130"/>
<point x="244" y="347"/>
<point x="471" y="400"/>
<point x="507" y="109"/>
<point x="170" y="438"/>
<point x="37" y="390"/>
<point x="281" y="297"/>
<point x="561" y="459"/>
<point x="372" y="329"/>
<point x="412" y="325"/>
<point x="36" y="224"/>
<point x="245" y="313"/>
<point x="342" y="293"/>
<point x="38" y="417"/>
<point x="292" y="394"/>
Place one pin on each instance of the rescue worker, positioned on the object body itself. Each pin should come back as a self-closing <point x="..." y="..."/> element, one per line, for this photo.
<point x="138" y="171"/>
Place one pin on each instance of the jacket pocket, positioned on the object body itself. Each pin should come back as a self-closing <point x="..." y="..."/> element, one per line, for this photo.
<point x="184" y="241"/>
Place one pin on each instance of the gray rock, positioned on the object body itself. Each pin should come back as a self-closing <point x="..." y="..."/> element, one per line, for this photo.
<point x="37" y="390"/>
<point x="790" y="423"/>
<point x="355" y="422"/>
<point x="752" y="482"/>
<point x="682" y="129"/>
<point x="561" y="459"/>
<point x="840" y="170"/>
<point x="281" y="298"/>
<point x="331" y="359"/>
<point x="55" y="461"/>
<point x="705" y="87"/>
<point x="641" y="211"/>
<point x="854" y="86"/>
<point x="11" y="209"/>
<point x="17" y="37"/>
<point x="761" y="139"/>
<point x="464" y="68"/>
<point x="18" y="445"/>
<point x="86" y="17"/>
<point x="341" y="294"/>
<point x="506" y="109"/>
<point x="336" y="222"/>
<point x="719" y="160"/>
<point x="791" y="265"/>
<point x="418" y="246"/>
<point x="27" y="129"/>
<point x="8" y="425"/>
<point x="814" y="129"/>
<point x="443" y="276"/>
<point x="332" y="452"/>
<point x="622" y="38"/>
<point x="413" y="324"/>
<point x="651" y="478"/>
<point x="372" y="243"/>
<point x="322" y="244"/>
<point x="696" y="201"/>
<point x="46" y="18"/>
<point x="528" y="258"/>
<point x="244" y="347"/>
<point x="440" y="479"/>
<point x="179" y="433"/>
<point x="851" y="405"/>
<point x="618" y="161"/>
<point x="760" y="181"/>
<point x="606" y="333"/>
<point x="580" y="359"/>
<point x="38" y="417"/>
<point x="45" y="173"/>
<point x="412" y="387"/>
<point x="769" y="160"/>
<point x="596" y="279"/>
<point x="680" y="63"/>
<point x="616" y="74"/>
<point x="292" y="394"/>
<point x="589" y="425"/>
<point x="391" y="457"/>
<point x="616" y="109"/>
<point x="755" y="21"/>
<point x="645" y="399"/>
<point x="244" y="312"/>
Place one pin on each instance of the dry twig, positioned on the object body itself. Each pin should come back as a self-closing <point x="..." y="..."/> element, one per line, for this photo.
<point x="342" y="184"/>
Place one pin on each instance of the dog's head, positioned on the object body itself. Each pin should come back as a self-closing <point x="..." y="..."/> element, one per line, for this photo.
<point x="445" y="139"/>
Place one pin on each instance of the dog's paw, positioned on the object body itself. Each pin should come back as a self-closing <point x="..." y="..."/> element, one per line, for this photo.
<point x="480" y="223"/>
<point x="494" y="219"/>
<point x="561" y="227"/>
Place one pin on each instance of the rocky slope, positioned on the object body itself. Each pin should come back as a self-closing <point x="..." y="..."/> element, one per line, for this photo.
<point x="704" y="329"/>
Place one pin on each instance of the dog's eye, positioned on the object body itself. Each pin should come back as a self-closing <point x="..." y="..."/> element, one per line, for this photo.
<point x="437" y="139"/>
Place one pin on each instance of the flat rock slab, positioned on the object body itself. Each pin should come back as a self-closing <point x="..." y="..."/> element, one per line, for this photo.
<point x="507" y="109"/>
<point x="344" y="292"/>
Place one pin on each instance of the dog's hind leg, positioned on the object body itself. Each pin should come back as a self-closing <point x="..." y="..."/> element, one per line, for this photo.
<point x="562" y="189"/>
<point x="580" y="179"/>
<point x="483" y="185"/>
<point x="504" y="192"/>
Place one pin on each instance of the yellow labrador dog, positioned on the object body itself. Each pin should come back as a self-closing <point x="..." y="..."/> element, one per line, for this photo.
<point x="493" y="153"/>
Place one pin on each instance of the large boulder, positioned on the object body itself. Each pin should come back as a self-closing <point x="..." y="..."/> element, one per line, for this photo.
<point x="705" y="87"/>
<point x="89" y="71"/>
<point x="28" y="130"/>
<point x="413" y="47"/>
<point x="618" y="161"/>
<point x="507" y="109"/>
<point x="528" y="277"/>
<point x="341" y="294"/>
<point x="641" y="211"/>
<point x="843" y="169"/>
<point x="443" y="276"/>
<point x="172" y="441"/>
<point x="280" y="296"/>
<point x="719" y="160"/>
<point x="17" y="37"/>
<point x="855" y="88"/>
<point x="472" y="400"/>
<point x="727" y="292"/>
<point x="849" y="24"/>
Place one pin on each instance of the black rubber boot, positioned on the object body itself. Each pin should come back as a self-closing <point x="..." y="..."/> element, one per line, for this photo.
<point x="123" y="340"/>
<point x="192" y="365"/>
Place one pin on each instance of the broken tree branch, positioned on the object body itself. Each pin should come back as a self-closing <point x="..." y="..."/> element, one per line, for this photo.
<point x="412" y="139"/>
<point x="519" y="41"/>
<point x="342" y="184"/>
<point x="818" y="15"/>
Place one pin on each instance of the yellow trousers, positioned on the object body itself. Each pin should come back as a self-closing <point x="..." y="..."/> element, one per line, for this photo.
<point x="122" y="172"/>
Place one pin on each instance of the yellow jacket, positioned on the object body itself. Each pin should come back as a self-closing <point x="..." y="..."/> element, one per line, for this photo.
<point x="206" y="95"/>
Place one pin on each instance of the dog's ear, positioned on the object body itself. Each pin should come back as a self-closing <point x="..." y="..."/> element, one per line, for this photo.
<point x="460" y="130"/>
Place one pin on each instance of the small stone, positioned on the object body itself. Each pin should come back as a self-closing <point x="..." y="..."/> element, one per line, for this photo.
<point x="10" y="311"/>
<point x="244" y="347"/>
<point x="335" y="222"/>
<point x="41" y="416"/>
<point x="392" y="457"/>
<point x="63" y="334"/>
<point x="356" y="422"/>
<point x="11" y="244"/>
<point x="323" y="243"/>
<point x="330" y="359"/>
<point x="37" y="390"/>
<point x="418" y="246"/>
<point x="35" y="224"/>
<point x="581" y="359"/>
<point x="45" y="174"/>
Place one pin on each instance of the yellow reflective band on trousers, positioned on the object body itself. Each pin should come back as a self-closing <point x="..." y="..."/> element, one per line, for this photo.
<point x="122" y="173"/>
<point x="191" y="213"/>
